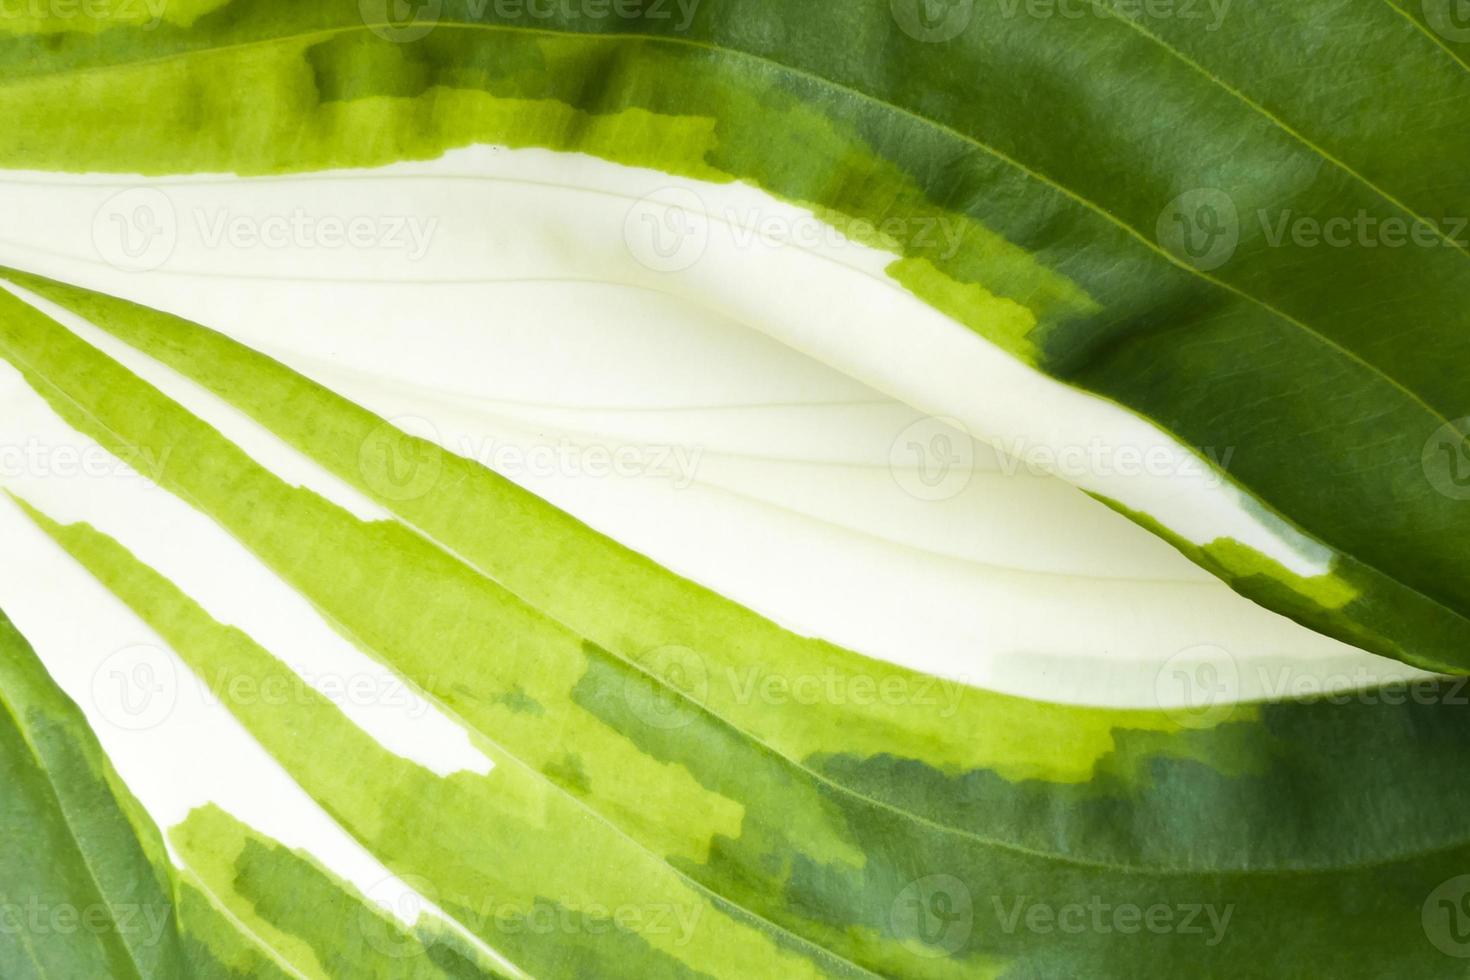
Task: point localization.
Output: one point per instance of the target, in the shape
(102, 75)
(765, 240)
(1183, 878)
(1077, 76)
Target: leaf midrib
(1429, 33)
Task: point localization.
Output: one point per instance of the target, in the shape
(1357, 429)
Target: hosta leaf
(491, 847)
(711, 648)
(1213, 239)
(1125, 190)
(317, 925)
(81, 859)
(88, 890)
(791, 844)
